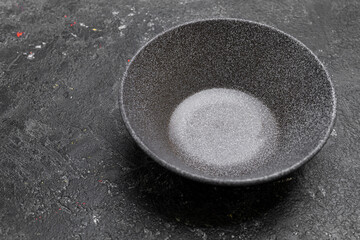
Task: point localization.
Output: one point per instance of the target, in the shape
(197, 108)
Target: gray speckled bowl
(236, 54)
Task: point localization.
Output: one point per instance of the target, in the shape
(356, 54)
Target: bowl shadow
(192, 203)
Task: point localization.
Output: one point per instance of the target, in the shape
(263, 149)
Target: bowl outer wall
(218, 180)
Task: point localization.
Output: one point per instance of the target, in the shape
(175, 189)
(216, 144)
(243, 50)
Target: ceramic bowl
(228, 101)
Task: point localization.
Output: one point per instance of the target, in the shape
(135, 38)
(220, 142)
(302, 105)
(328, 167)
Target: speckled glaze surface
(236, 54)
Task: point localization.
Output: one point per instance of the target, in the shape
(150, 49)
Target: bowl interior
(234, 54)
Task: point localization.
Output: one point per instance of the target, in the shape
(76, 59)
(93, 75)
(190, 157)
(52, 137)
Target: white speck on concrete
(64, 53)
(150, 24)
(145, 39)
(44, 43)
(333, 133)
(31, 56)
(95, 219)
(131, 14)
(115, 13)
(83, 25)
(38, 46)
(312, 194)
(74, 35)
(122, 27)
(200, 233)
(322, 190)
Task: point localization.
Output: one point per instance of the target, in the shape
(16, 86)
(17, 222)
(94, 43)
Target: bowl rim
(219, 180)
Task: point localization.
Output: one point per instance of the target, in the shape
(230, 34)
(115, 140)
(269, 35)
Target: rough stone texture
(63, 144)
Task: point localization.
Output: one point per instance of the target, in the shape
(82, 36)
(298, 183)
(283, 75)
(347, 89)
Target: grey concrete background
(69, 169)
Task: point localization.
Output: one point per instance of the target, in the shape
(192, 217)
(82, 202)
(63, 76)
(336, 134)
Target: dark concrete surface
(69, 169)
